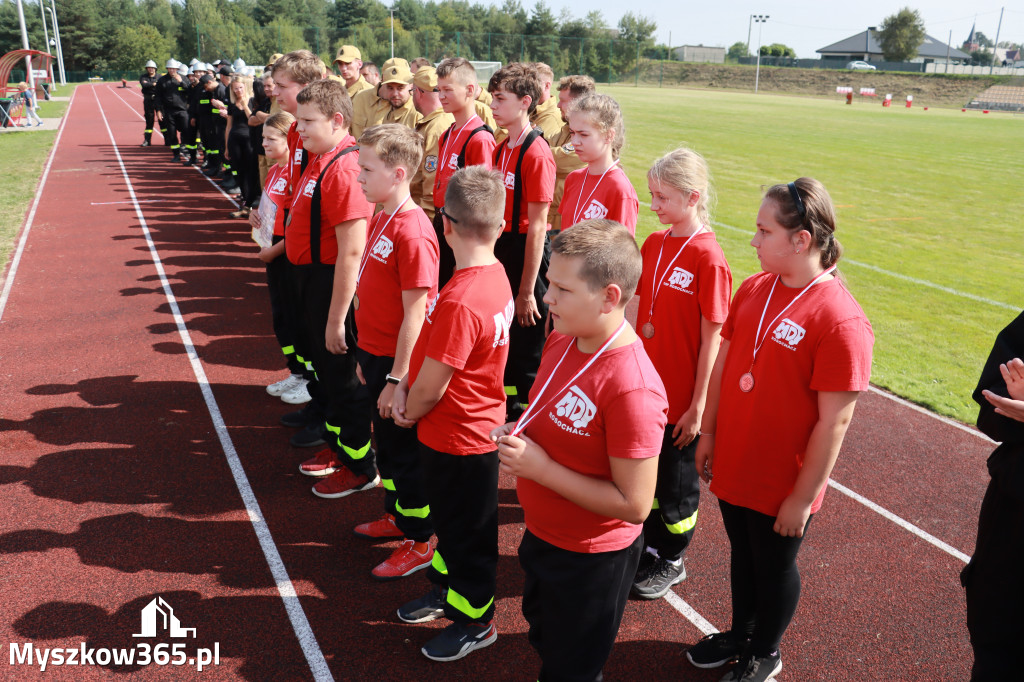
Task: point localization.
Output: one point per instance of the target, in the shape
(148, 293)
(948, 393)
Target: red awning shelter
(40, 63)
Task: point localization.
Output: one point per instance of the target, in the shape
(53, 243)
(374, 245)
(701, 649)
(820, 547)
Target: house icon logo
(158, 614)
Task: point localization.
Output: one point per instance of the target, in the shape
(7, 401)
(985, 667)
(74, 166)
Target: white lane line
(925, 411)
(209, 180)
(927, 537)
(680, 605)
(905, 278)
(16, 259)
(155, 130)
(300, 624)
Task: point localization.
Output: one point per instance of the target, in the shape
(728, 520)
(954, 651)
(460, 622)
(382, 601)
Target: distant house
(865, 46)
(699, 53)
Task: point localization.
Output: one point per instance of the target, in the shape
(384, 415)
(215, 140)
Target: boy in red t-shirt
(324, 238)
(454, 391)
(586, 454)
(467, 142)
(528, 171)
(397, 276)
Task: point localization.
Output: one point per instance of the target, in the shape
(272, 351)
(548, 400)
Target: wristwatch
(392, 380)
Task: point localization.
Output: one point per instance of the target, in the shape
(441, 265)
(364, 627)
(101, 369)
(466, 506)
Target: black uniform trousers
(574, 603)
(212, 136)
(242, 166)
(336, 387)
(280, 311)
(669, 527)
(176, 123)
(149, 110)
(446, 262)
(398, 457)
(463, 495)
(525, 344)
(764, 576)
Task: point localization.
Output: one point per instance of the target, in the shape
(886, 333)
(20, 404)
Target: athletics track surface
(124, 453)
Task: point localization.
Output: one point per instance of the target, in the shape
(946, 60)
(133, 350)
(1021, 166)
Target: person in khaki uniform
(371, 107)
(546, 116)
(434, 122)
(349, 62)
(396, 88)
(566, 161)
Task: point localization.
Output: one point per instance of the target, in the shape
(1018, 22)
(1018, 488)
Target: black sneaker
(301, 418)
(309, 436)
(426, 608)
(211, 171)
(716, 650)
(659, 579)
(755, 668)
(643, 568)
(458, 639)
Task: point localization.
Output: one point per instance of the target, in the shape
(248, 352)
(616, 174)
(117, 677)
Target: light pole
(46, 40)
(24, 42)
(759, 19)
(392, 10)
(52, 9)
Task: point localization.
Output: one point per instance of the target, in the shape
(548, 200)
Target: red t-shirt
(278, 191)
(614, 198)
(294, 154)
(698, 286)
(402, 256)
(615, 409)
(467, 328)
(341, 199)
(479, 152)
(538, 178)
(822, 343)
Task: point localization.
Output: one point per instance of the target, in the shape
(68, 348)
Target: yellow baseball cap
(394, 61)
(348, 53)
(396, 74)
(273, 58)
(426, 78)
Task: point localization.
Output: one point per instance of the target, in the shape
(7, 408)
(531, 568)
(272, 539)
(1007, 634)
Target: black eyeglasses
(800, 208)
(446, 214)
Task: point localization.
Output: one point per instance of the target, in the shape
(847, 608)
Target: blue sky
(804, 25)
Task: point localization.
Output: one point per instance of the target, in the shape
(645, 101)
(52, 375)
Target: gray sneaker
(458, 639)
(755, 669)
(426, 608)
(659, 579)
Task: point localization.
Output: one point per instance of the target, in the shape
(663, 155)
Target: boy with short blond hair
(324, 239)
(586, 454)
(454, 391)
(528, 171)
(397, 276)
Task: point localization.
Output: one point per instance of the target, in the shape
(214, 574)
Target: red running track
(118, 442)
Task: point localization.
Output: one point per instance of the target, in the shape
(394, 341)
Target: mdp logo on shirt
(502, 323)
(382, 249)
(595, 210)
(298, 156)
(279, 186)
(788, 334)
(453, 162)
(680, 279)
(576, 407)
(510, 180)
(309, 188)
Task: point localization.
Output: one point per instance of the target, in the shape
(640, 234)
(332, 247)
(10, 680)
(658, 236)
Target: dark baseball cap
(206, 79)
(225, 70)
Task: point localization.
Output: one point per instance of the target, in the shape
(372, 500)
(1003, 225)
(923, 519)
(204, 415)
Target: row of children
(485, 347)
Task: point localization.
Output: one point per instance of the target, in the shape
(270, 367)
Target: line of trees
(100, 35)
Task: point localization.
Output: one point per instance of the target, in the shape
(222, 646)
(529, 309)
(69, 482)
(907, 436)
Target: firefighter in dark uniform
(172, 107)
(189, 147)
(147, 82)
(216, 124)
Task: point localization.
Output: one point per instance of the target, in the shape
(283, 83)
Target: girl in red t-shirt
(796, 351)
(276, 196)
(601, 190)
(683, 297)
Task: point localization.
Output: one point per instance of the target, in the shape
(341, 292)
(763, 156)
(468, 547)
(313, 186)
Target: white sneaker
(279, 388)
(297, 395)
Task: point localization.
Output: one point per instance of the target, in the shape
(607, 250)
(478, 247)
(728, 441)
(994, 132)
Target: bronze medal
(355, 302)
(747, 382)
(647, 330)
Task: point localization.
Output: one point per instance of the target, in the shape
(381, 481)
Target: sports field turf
(932, 196)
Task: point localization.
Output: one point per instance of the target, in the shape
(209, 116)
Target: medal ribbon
(374, 237)
(654, 294)
(576, 212)
(758, 344)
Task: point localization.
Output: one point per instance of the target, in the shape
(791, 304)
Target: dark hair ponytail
(805, 204)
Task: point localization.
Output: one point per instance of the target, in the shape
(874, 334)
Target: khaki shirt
(548, 118)
(566, 162)
(367, 110)
(405, 114)
(431, 127)
(358, 87)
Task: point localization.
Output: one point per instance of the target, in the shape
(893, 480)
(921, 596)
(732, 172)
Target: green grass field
(929, 209)
(930, 195)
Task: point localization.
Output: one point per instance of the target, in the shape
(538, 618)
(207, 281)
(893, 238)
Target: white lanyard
(657, 288)
(576, 212)
(758, 344)
(448, 140)
(504, 159)
(532, 413)
(374, 237)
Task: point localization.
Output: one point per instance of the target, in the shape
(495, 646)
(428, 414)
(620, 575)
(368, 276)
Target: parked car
(861, 66)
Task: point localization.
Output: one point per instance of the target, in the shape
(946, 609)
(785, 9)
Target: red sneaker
(323, 464)
(381, 528)
(343, 482)
(404, 561)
